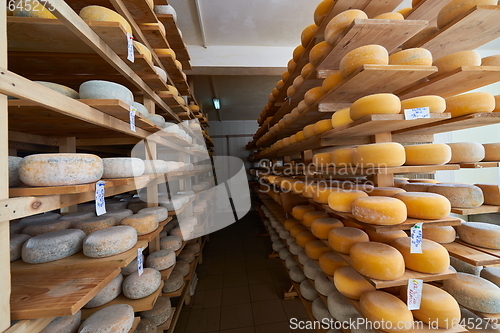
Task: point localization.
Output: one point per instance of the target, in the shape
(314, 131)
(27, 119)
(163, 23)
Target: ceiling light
(216, 102)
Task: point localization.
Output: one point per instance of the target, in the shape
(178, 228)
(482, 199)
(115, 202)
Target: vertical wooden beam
(68, 145)
(307, 156)
(152, 190)
(149, 104)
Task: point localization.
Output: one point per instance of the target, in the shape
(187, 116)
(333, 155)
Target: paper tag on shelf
(140, 261)
(130, 47)
(417, 113)
(100, 204)
(414, 293)
(133, 112)
(416, 238)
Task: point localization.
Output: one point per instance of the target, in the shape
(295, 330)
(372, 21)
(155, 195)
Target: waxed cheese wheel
(329, 262)
(390, 16)
(122, 167)
(331, 82)
(474, 292)
(341, 118)
(289, 223)
(491, 193)
(342, 239)
(436, 104)
(434, 258)
(491, 152)
(95, 223)
(60, 169)
(66, 324)
(322, 159)
(322, 11)
(379, 210)
(413, 57)
(111, 291)
(480, 234)
(424, 205)
(385, 237)
(375, 104)
(16, 245)
(309, 217)
(350, 283)
(342, 157)
(294, 231)
(469, 103)
(456, 60)
(428, 154)
(299, 211)
(314, 249)
(377, 260)
(318, 52)
(136, 287)
(21, 9)
(323, 126)
(340, 23)
(384, 191)
(466, 152)
(364, 55)
(456, 8)
(52, 246)
(459, 195)
(390, 154)
(321, 194)
(439, 234)
(99, 13)
(117, 318)
(304, 237)
(311, 96)
(307, 35)
(143, 223)
(109, 241)
(341, 200)
(322, 226)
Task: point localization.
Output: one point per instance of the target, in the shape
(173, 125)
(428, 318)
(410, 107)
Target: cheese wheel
(320, 311)
(456, 8)
(160, 312)
(97, 89)
(307, 291)
(390, 16)
(16, 245)
(171, 242)
(342, 239)
(377, 260)
(375, 104)
(94, 223)
(459, 195)
(350, 283)
(297, 82)
(341, 308)
(340, 23)
(424, 205)
(417, 187)
(290, 66)
(321, 194)
(311, 269)
(423, 180)
(297, 275)
(341, 200)
(303, 238)
(122, 167)
(491, 274)
(299, 211)
(384, 191)
(14, 179)
(52, 246)
(43, 227)
(480, 234)
(66, 91)
(307, 35)
(474, 292)
(439, 234)
(322, 159)
(109, 241)
(23, 9)
(64, 324)
(143, 50)
(322, 226)
(379, 210)
(405, 11)
(322, 10)
(313, 95)
(385, 237)
(434, 258)
(421, 37)
(315, 248)
(456, 60)
(379, 306)
(491, 152)
(390, 154)
(143, 223)
(284, 77)
(309, 217)
(329, 262)
(111, 291)
(491, 193)
(323, 126)
(309, 131)
(436, 104)
(302, 106)
(307, 70)
(398, 182)
(99, 13)
(323, 285)
(136, 287)
(342, 157)
(493, 60)
(341, 118)
(113, 318)
(297, 53)
(466, 152)
(165, 9)
(413, 57)
(331, 82)
(469, 103)
(364, 55)
(162, 259)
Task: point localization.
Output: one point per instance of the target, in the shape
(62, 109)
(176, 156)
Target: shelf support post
(383, 180)
(68, 145)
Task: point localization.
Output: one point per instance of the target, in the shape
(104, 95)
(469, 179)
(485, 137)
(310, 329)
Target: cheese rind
(439, 234)
(309, 217)
(412, 57)
(323, 126)
(340, 23)
(491, 193)
(44, 227)
(390, 16)
(160, 312)
(95, 223)
(364, 55)
(480, 234)
(385, 237)
(350, 283)
(25, 10)
(322, 10)
(436, 104)
(377, 260)
(136, 287)
(113, 318)
(342, 157)
(384, 191)
(329, 262)
(14, 179)
(98, 89)
(304, 237)
(331, 82)
(66, 91)
(307, 34)
(307, 291)
(379, 210)
(110, 241)
(299, 211)
(52, 246)
(424, 205)
(143, 223)
(312, 95)
(341, 118)
(111, 291)
(428, 154)
(322, 226)
(341, 200)
(434, 258)
(456, 60)
(342, 239)
(375, 104)
(160, 260)
(466, 152)
(469, 103)
(64, 324)
(16, 245)
(491, 152)
(322, 159)
(459, 195)
(122, 167)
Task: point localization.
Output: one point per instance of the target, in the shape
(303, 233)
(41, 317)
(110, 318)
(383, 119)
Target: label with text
(417, 113)
(416, 238)
(130, 48)
(140, 261)
(133, 112)
(100, 204)
(414, 293)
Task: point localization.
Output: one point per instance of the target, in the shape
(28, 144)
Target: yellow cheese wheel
(352, 224)
(379, 210)
(460, 195)
(385, 191)
(312, 95)
(308, 34)
(390, 16)
(309, 131)
(342, 239)
(318, 52)
(340, 23)
(291, 65)
(341, 200)
(302, 106)
(322, 10)
(285, 76)
(25, 9)
(421, 37)
(297, 53)
(322, 194)
(491, 152)
(304, 237)
(414, 57)
(329, 262)
(364, 55)
(428, 154)
(491, 193)
(341, 118)
(309, 217)
(390, 154)
(493, 60)
(424, 205)
(375, 104)
(434, 258)
(350, 283)
(298, 187)
(315, 248)
(342, 157)
(382, 307)
(169, 52)
(377, 260)
(322, 226)
(456, 60)
(309, 190)
(275, 92)
(286, 142)
(331, 82)
(405, 11)
(415, 2)
(466, 152)
(322, 159)
(436, 104)
(423, 180)
(307, 70)
(280, 84)
(295, 230)
(289, 223)
(480, 234)
(385, 237)
(323, 126)
(300, 136)
(439, 234)
(293, 139)
(297, 82)
(299, 211)
(456, 8)
(99, 13)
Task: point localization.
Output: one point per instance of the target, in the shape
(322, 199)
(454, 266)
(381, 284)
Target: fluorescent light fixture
(216, 102)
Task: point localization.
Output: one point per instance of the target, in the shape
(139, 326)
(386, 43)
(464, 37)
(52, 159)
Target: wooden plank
(56, 293)
(458, 81)
(172, 102)
(470, 255)
(426, 10)
(166, 325)
(155, 35)
(493, 252)
(387, 33)
(29, 326)
(484, 209)
(137, 320)
(175, 39)
(175, 74)
(165, 274)
(479, 165)
(467, 32)
(141, 11)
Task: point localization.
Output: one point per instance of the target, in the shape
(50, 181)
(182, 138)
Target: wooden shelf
(175, 39)
(181, 248)
(139, 305)
(484, 209)
(492, 252)
(176, 293)
(470, 255)
(458, 81)
(166, 325)
(175, 139)
(141, 11)
(492, 317)
(165, 274)
(426, 10)
(172, 102)
(154, 35)
(152, 235)
(137, 320)
(479, 165)
(175, 74)
(55, 293)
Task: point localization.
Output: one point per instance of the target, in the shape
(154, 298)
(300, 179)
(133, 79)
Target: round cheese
(341, 200)
(284, 77)
(156, 167)
(342, 157)
(160, 260)
(299, 211)
(385, 237)
(379, 210)
(314, 249)
(142, 223)
(307, 70)
(309, 217)
(434, 258)
(64, 324)
(113, 318)
(96, 89)
(309, 131)
(469, 103)
(459, 195)
(304, 237)
(323, 285)
(294, 231)
(456, 60)
(466, 152)
(160, 213)
(320, 312)
(364, 55)
(43, 227)
(290, 66)
(405, 11)
(390, 16)
(111, 291)
(307, 35)
(94, 223)
(321, 194)
(182, 267)
(307, 291)
(439, 234)
(318, 52)
(297, 53)
(173, 283)
(322, 159)
(377, 260)
(297, 275)
(52, 246)
(491, 152)
(323, 126)
(412, 57)
(16, 243)
(322, 11)
(297, 83)
(350, 283)
(14, 179)
(136, 287)
(491, 193)
(331, 82)
(480, 234)
(23, 9)
(321, 227)
(340, 23)
(417, 187)
(160, 312)
(122, 167)
(375, 104)
(456, 8)
(342, 239)
(289, 223)
(491, 274)
(474, 292)
(390, 154)
(385, 191)
(110, 241)
(99, 13)
(313, 95)
(66, 91)
(143, 50)
(428, 154)
(436, 104)
(424, 205)
(329, 262)
(311, 269)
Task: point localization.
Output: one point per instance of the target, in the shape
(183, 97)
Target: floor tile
(235, 279)
(235, 295)
(259, 276)
(255, 265)
(235, 316)
(263, 291)
(207, 298)
(267, 312)
(281, 327)
(210, 282)
(203, 320)
(212, 269)
(182, 321)
(250, 329)
(294, 308)
(255, 255)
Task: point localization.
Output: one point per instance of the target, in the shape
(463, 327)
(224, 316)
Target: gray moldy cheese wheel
(174, 282)
(297, 275)
(466, 152)
(136, 204)
(143, 223)
(16, 245)
(60, 169)
(186, 256)
(284, 253)
(67, 324)
(118, 318)
(182, 267)
(130, 268)
(44, 227)
(195, 247)
(95, 223)
(136, 287)
(339, 307)
(464, 267)
(156, 167)
(474, 293)
(417, 187)
(491, 193)
(52, 246)
(160, 312)
(307, 291)
(118, 214)
(146, 326)
(79, 216)
(14, 179)
(291, 263)
(480, 234)
(113, 204)
(320, 311)
(171, 243)
(39, 218)
(323, 285)
(107, 294)
(110, 241)
(16, 227)
(161, 260)
(161, 213)
(122, 167)
(97, 89)
(491, 274)
(460, 195)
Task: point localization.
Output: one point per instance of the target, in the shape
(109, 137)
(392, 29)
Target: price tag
(417, 113)
(414, 294)
(100, 204)
(133, 112)
(140, 261)
(416, 238)
(130, 47)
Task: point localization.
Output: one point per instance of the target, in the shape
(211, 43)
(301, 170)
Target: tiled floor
(240, 290)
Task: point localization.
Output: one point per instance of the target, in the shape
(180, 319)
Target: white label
(140, 261)
(133, 112)
(100, 204)
(130, 47)
(416, 238)
(414, 293)
(417, 113)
